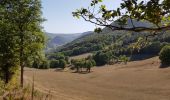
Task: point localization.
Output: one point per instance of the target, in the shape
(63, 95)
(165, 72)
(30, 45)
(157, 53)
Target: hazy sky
(59, 15)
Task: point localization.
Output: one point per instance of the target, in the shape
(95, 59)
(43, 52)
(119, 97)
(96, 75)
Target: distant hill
(50, 35)
(59, 39)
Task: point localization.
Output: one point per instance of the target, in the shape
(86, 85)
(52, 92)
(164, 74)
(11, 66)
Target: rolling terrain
(59, 39)
(125, 39)
(138, 80)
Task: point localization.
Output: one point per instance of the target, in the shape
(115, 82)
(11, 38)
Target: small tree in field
(88, 64)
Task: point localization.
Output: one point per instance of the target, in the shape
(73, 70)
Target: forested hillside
(123, 39)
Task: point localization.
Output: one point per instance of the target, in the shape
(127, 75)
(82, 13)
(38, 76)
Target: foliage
(89, 43)
(58, 63)
(36, 64)
(155, 12)
(62, 63)
(152, 48)
(102, 58)
(44, 65)
(56, 56)
(100, 15)
(54, 63)
(8, 46)
(21, 36)
(58, 60)
(165, 55)
(123, 58)
(83, 63)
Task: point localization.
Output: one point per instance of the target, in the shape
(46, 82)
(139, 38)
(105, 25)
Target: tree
(23, 18)
(154, 11)
(8, 58)
(31, 39)
(102, 58)
(88, 64)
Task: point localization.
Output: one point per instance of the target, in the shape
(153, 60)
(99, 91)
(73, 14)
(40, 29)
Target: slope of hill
(138, 80)
(50, 35)
(100, 41)
(55, 40)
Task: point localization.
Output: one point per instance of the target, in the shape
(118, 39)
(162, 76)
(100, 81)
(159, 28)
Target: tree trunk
(22, 75)
(6, 74)
(21, 58)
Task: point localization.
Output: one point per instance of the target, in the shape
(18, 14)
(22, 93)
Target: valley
(122, 54)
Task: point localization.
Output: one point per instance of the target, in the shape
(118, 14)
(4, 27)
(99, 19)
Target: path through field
(138, 80)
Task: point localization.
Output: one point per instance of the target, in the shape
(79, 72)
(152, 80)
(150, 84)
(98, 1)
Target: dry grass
(81, 56)
(138, 80)
(12, 91)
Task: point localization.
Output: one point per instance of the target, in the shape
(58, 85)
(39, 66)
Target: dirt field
(138, 80)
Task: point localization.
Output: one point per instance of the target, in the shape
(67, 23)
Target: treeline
(53, 60)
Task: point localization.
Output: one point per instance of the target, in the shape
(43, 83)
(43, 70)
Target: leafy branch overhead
(157, 12)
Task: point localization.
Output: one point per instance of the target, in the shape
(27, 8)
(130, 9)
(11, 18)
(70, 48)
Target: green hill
(122, 39)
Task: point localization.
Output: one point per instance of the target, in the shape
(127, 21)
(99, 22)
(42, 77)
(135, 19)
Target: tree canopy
(21, 36)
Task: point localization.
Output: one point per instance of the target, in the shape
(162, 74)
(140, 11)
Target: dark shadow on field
(59, 69)
(85, 72)
(82, 72)
(164, 66)
(138, 57)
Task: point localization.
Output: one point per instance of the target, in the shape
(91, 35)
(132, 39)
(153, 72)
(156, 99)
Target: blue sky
(59, 15)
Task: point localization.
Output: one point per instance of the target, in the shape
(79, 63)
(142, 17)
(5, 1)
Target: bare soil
(138, 80)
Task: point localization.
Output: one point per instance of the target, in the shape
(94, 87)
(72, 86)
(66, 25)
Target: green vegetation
(21, 37)
(102, 58)
(58, 60)
(165, 55)
(132, 9)
(154, 12)
(80, 64)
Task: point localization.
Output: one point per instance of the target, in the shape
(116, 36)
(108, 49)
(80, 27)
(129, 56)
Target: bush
(58, 63)
(93, 62)
(35, 64)
(67, 59)
(164, 55)
(152, 48)
(102, 58)
(62, 63)
(44, 65)
(124, 58)
(54, 63)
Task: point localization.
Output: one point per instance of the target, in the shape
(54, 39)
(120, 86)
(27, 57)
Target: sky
(58, 14)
